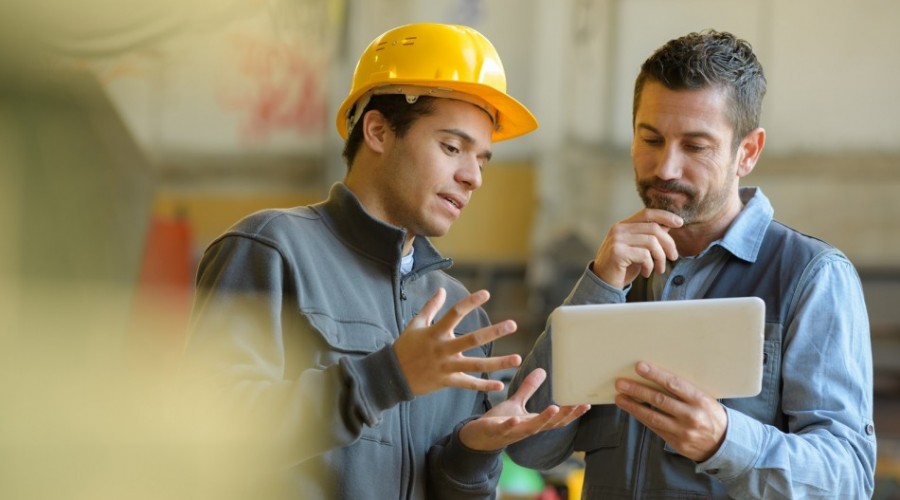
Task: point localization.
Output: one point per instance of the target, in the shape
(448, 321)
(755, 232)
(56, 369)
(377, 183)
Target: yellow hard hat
(439, 60)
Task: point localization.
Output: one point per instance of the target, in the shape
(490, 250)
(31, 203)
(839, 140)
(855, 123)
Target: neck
(694, 237)
(407, 245)
(373, 206)
(366, 191)
(690, 240)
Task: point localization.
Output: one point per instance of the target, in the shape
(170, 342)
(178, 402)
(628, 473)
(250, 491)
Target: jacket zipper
(639, 464)
(406, 435)
(407, 490)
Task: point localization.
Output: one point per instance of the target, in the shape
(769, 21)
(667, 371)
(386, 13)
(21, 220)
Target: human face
(428, 176)
(682, 156)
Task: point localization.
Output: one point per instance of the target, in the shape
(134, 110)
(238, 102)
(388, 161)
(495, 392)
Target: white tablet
(716, 344)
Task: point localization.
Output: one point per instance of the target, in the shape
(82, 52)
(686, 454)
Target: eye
(652, 141)
(450, 148)
(695, 148)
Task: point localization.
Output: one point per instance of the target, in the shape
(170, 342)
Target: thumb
(529, 386)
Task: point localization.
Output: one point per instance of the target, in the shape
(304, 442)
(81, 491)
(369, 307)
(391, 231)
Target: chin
(658, 203)
(438, 232)
(434, 230)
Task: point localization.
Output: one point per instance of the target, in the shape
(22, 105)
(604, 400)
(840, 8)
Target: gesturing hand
(684, 416)
(510, 421)
(638, 244)
(431, 356)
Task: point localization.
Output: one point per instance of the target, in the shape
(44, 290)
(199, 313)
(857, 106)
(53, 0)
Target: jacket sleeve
(828, 450)
(548, 449)
(457, 472)
(234, 368)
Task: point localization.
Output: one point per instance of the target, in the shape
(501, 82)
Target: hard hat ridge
(438, 60)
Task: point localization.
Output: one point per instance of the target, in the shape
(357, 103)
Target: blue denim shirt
(820, 442)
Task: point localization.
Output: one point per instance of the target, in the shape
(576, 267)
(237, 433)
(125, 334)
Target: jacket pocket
(599, 428)
(351, 338)
(348, 336)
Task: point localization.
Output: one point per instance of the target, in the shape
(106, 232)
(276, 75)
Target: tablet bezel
(716, 344)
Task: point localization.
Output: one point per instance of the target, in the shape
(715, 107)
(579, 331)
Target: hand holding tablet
(716, 344)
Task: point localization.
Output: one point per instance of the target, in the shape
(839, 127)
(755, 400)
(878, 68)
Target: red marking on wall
(276, 86)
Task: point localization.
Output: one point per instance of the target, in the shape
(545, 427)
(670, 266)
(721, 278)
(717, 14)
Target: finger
(647, 264)
(481, 336)
(482, 365)
(676, 386)
(668, 246)
(659, 254)
(545, 419)
(653, 249)
(643, 244)
(629, 250)
(529, 386)
(521, 427)
(664, 402)
(656, 421)
(663, 239)
(569, 414)
(565, 416)
(642, 393)
(463, 307)
(664, 218)
(430, 309)
(556, 417)
(659, 222)
(466, 381)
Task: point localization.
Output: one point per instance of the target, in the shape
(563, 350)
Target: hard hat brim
(513, 118)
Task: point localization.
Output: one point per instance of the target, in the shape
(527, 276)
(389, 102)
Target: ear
(375, 130)
(749, 150)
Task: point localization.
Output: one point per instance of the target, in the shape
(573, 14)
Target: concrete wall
(832, 159)
(213, 104)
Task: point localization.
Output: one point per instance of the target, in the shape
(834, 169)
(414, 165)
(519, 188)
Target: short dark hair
(399, 114)
(710, 59)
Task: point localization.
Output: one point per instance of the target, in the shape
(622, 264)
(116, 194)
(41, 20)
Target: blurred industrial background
(133, 133)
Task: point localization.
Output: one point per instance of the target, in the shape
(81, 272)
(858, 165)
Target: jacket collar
(350, 221)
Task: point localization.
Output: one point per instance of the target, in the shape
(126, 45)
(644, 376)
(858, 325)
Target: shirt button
(870, 429)
(678, 280)
(712, 472)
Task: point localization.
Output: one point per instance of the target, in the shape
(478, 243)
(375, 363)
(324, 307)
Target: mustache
(669, 185)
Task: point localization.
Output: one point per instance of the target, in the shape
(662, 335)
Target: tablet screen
(716, 344)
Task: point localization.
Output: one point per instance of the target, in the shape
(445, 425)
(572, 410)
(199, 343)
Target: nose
(669, 163)
(469, 174)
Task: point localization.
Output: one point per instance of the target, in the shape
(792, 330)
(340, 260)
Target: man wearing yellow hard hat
(336, 322)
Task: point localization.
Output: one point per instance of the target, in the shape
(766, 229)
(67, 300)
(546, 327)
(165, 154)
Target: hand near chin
(640, 244)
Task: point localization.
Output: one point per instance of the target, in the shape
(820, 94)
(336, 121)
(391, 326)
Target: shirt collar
(406, 263)
(745, 235)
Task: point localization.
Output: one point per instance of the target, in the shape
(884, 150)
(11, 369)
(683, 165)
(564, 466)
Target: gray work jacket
(294, 319)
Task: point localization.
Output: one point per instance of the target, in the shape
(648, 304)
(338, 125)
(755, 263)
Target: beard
(689, 211)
